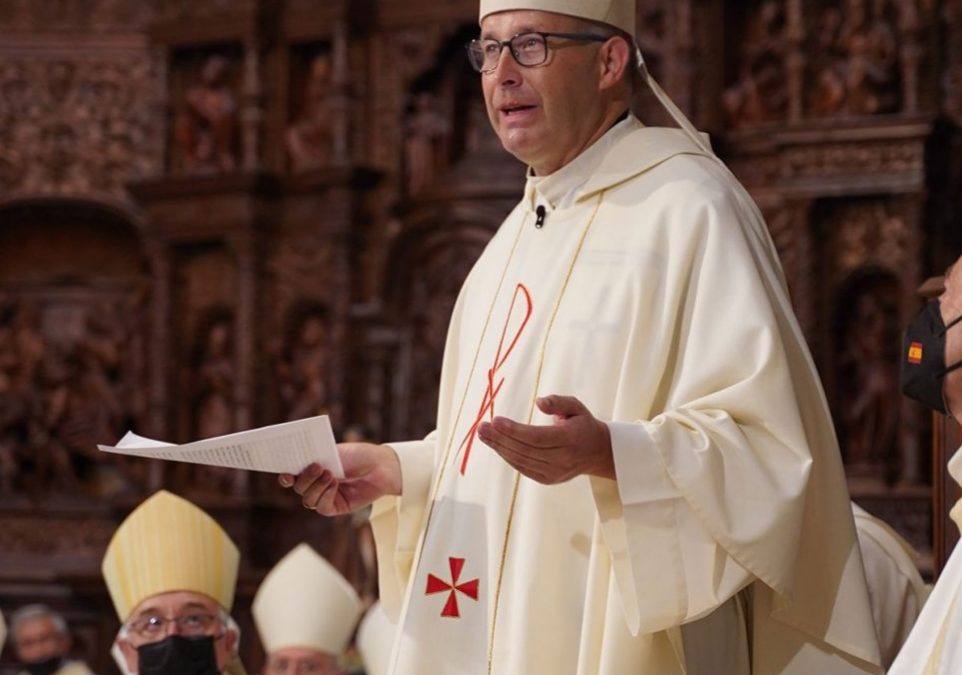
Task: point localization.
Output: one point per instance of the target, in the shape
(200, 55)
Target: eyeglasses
(153, 627)
(303, 666)
(528, 49)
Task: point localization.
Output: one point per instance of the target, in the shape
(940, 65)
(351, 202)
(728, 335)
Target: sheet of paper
(289, 447)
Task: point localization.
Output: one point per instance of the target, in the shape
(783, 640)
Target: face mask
(48, 667)
(178, 655)
(923, 358)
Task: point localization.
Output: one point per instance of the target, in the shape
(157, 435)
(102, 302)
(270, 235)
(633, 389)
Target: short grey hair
(36, 611)
(607, 31)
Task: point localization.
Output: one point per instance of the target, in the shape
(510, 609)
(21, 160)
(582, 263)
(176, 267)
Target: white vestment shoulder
(653, 294)
(896, 589)
(933, 647)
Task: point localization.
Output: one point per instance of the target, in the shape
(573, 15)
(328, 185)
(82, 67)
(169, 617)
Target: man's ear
(130, 654)
(230, 640)
(614, 56)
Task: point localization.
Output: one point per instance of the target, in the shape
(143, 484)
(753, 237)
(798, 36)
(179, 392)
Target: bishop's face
(301, 661)
(184, 613)
(545, 115)
(950, 305)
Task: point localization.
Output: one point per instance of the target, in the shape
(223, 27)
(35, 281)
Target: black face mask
(47, 667)
(923, 358)
(178, 655)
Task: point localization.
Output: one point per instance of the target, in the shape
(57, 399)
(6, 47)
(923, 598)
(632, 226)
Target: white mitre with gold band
(617, 13)
(305, 602)
(167, 544)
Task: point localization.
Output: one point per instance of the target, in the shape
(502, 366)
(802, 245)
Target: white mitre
(305, 602)
(375, 638)
(617, 13)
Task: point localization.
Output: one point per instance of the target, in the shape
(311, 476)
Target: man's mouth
(514, 109)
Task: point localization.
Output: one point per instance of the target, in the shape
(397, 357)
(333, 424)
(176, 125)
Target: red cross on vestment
(436, 585)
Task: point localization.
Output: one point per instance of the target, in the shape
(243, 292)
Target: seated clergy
(932, 375)
(42, 642)
(896, 590)
(305, 613)
(375, 638)
(171, 571)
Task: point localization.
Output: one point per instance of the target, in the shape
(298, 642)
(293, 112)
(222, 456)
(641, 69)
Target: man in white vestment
(171, 572)
(634, 469)
(895, 587)
(42, 641)
(305, 613)
(932, 374)
(375, 636)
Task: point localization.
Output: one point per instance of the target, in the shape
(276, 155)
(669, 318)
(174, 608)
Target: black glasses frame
(472, 47)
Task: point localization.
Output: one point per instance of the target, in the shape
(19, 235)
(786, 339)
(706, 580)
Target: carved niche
(206, 112)
(442, 256)
(308, 137)
(869, 257)
(72, 350)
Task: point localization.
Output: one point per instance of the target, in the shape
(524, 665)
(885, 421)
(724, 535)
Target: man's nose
(506, 70)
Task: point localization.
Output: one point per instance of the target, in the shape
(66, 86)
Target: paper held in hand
(289, 447)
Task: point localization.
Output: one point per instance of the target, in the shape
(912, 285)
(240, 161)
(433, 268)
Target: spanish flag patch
(915, 353)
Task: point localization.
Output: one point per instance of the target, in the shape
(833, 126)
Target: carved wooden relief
(424, 304)
(76, 126)
(100, 15)
(71, 351)
(258, 271)
(814, 60)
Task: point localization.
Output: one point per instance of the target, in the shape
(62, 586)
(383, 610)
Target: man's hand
(575, 444)
(370, 471)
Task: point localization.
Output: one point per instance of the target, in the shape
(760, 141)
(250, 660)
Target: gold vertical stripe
(537, 384)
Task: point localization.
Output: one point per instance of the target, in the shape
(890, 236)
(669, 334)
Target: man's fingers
(561, 406)
(286, 480)
(306, 478)
(528, 434)
(312, 497)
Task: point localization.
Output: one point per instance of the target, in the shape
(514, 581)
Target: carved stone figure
(855, 61)
(308, 138)
(214, 391)
(302, 371)
(761, 93)
(870, 399)
(207, 122)
(425, 134)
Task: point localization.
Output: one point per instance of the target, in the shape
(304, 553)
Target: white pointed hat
(617, 13)
(305, 602)
(375, 639)
(167, 544)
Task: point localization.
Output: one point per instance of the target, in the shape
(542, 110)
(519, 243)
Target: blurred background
(218, 214)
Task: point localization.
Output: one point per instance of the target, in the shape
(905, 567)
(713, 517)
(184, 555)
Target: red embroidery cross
(469, 588)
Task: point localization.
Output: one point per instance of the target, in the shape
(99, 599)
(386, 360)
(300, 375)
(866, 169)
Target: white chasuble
(653, 295)
(934, 647)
